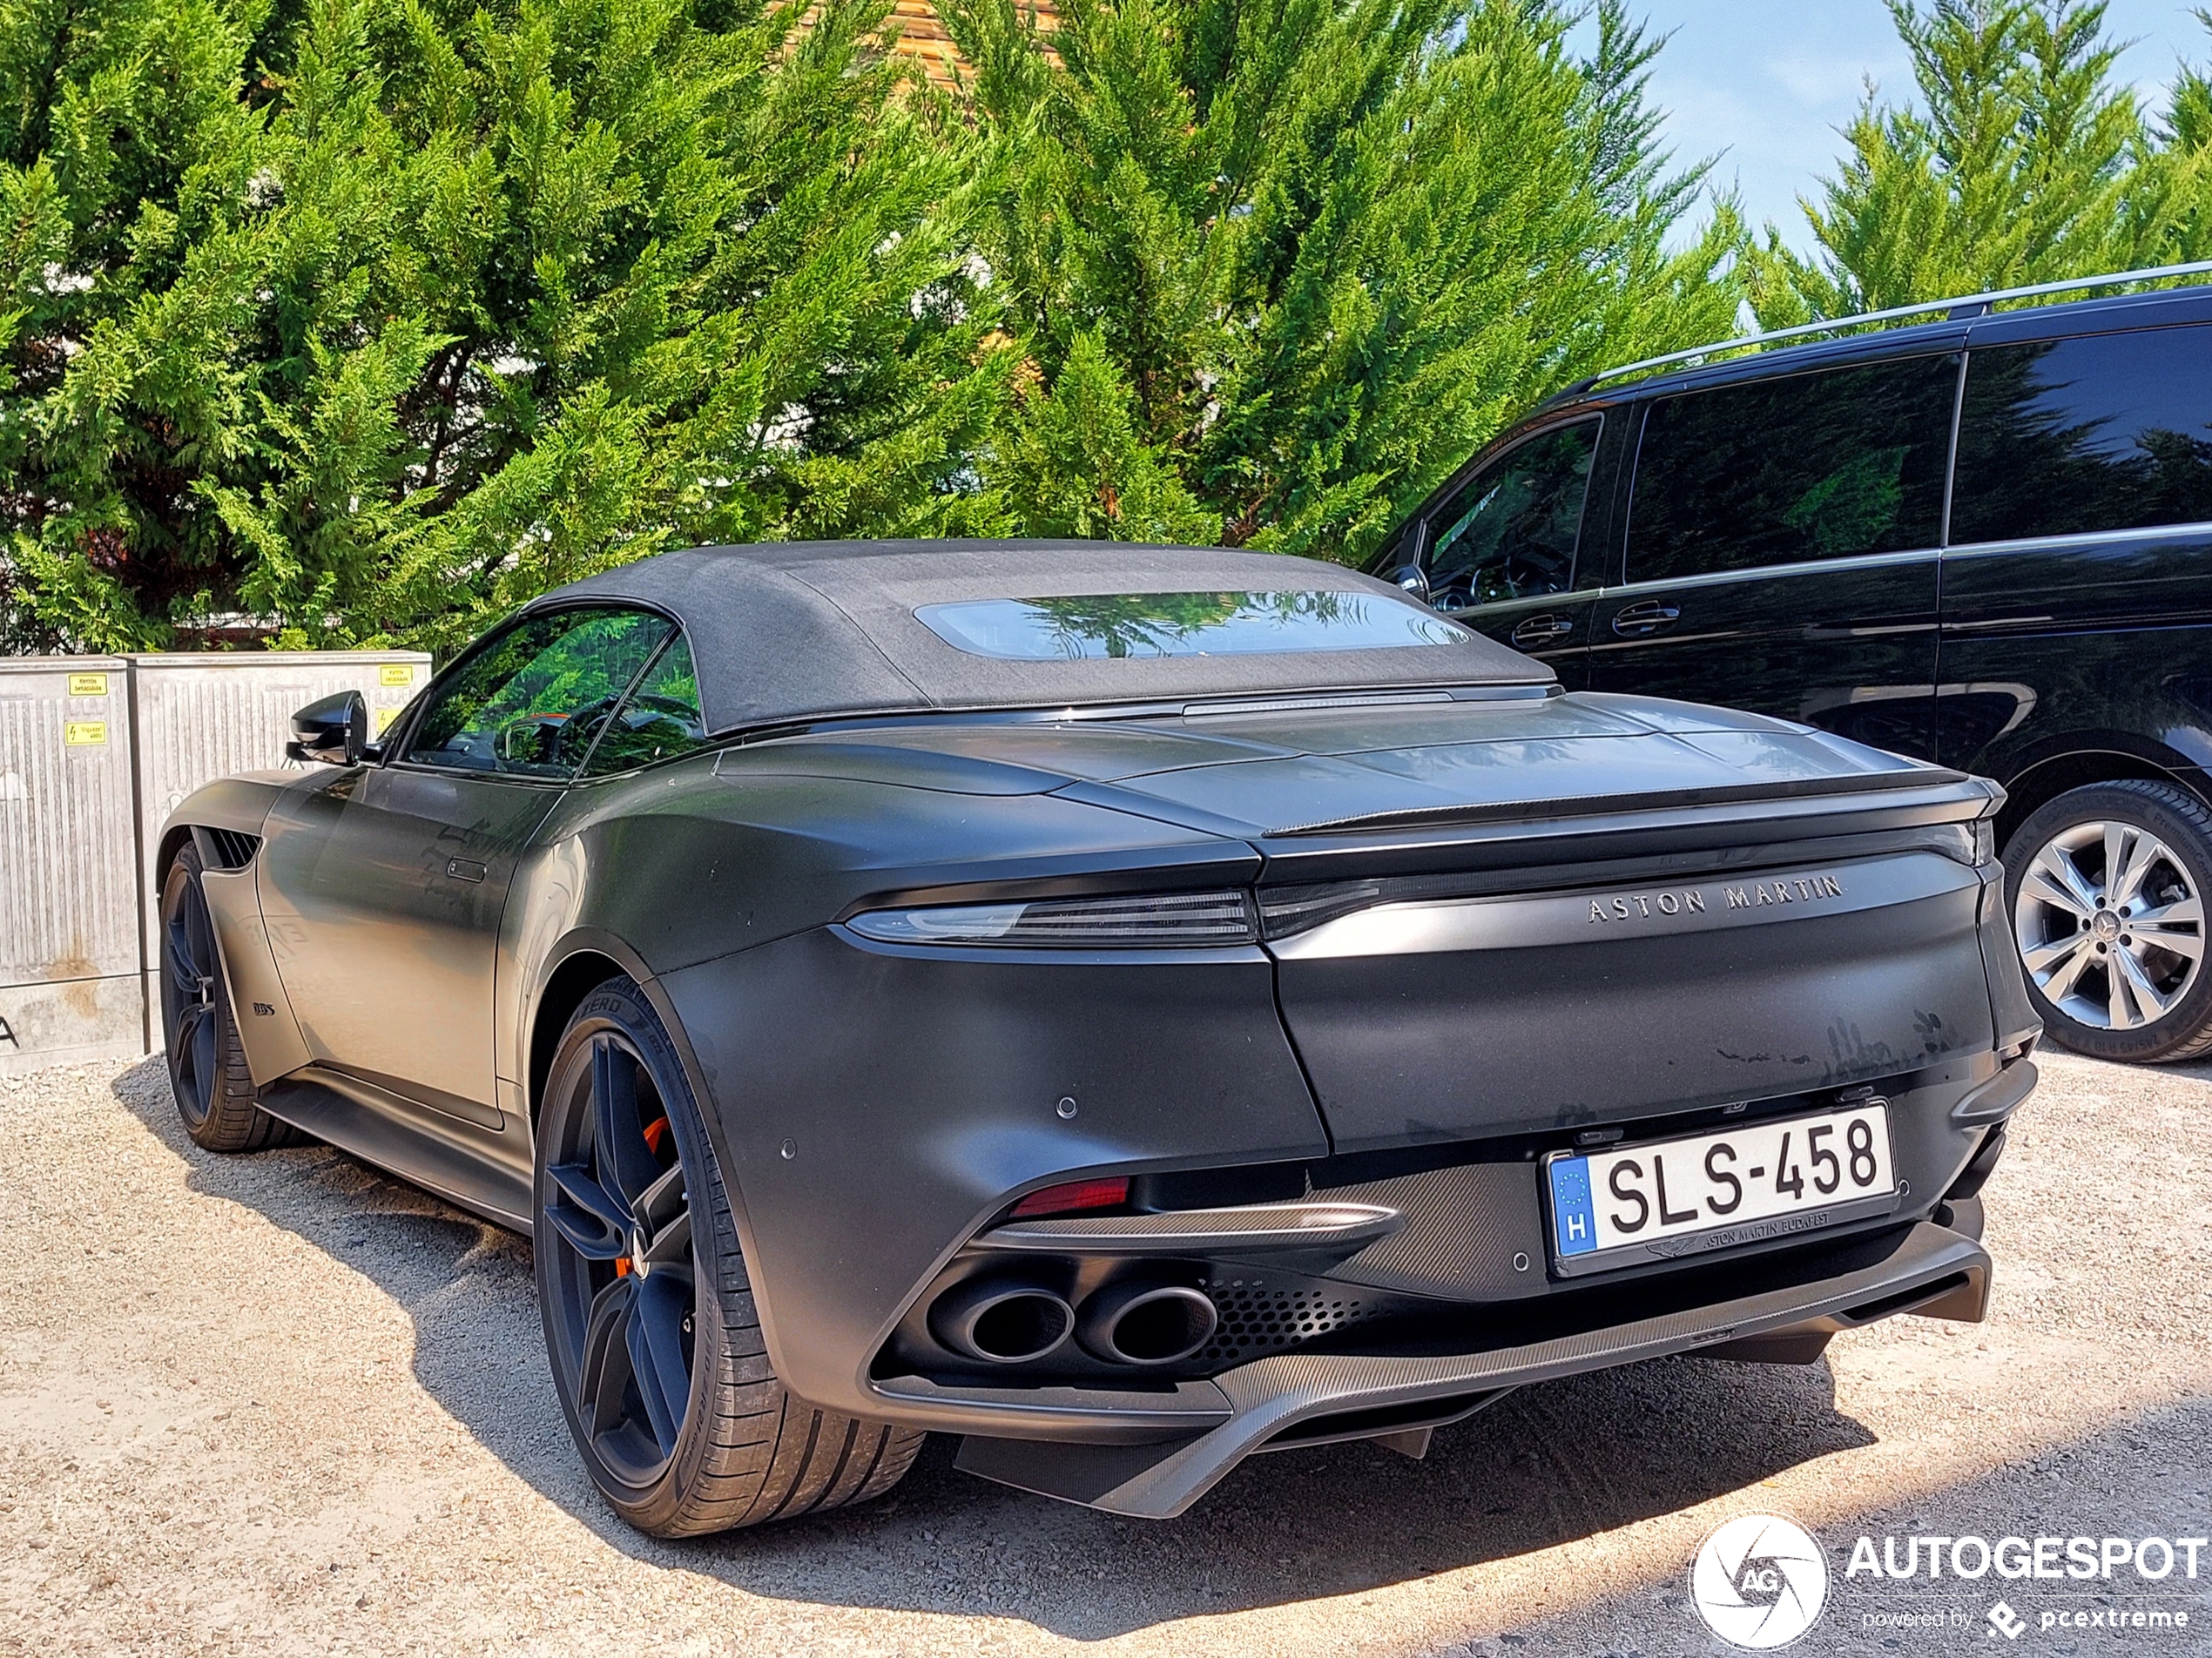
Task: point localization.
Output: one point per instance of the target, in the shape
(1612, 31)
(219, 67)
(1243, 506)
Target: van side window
(1826, 465)
(1510, 532)
(2110, 431)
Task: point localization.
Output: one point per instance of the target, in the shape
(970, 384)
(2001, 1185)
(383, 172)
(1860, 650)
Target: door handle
(1541, 630)
(1649, 616)
(465, 869)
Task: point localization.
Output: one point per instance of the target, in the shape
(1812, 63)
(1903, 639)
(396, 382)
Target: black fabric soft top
(790, 630)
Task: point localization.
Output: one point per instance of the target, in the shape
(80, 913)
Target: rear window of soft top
(1087, 626)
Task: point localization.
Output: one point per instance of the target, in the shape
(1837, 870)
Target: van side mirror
(1413, 579)
(334, 731)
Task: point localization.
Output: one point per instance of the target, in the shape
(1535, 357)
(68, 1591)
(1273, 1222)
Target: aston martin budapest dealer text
(1129, 1007)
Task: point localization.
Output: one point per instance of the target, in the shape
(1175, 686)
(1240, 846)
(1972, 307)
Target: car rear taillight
(1138, 922)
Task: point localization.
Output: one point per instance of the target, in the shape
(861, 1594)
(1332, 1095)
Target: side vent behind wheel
(234, 848)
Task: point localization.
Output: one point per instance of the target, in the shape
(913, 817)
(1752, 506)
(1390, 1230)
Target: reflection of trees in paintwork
(2042, 453)
(1153, 625)
(1809, 466)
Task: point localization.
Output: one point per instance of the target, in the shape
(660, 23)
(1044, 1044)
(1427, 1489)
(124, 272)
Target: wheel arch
(580, 971)
(173, 840)
(585, 960)
(239, 806)
(2047, 778)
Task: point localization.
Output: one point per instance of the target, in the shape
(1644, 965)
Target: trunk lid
(1514, 919)
(1505, 914)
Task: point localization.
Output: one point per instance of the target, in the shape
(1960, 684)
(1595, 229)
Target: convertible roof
(790, 630)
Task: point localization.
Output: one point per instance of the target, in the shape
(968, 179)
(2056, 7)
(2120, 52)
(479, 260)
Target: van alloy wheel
(2107, 884)
(2110, 926)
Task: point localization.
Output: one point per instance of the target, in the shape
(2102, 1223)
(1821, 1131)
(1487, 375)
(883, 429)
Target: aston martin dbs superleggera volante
(1129, 1007)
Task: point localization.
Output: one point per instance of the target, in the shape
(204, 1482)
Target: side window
(2112, 431)
(1826, 465)
(530, 703)
(659, 720)
(1510, 534)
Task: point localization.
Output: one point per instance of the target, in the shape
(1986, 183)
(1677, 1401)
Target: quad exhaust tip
(1002, 1323)
(1142, 1324)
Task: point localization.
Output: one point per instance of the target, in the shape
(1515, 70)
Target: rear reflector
(1075, 1196)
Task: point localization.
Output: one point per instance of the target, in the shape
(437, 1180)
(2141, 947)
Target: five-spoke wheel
(618, 1244)
(208, 1070)
(657, 1351)
(191, 1014)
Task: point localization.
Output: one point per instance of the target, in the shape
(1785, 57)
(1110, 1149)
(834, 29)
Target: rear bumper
(1303, 1397)
(879, 1108)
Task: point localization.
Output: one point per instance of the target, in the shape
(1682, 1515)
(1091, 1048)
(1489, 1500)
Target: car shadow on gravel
(1544, 1466)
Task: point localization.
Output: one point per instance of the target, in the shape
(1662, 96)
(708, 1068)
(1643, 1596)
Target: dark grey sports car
(1131, 1008)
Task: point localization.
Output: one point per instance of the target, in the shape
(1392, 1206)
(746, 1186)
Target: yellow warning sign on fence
(87, 684)
(80, 733)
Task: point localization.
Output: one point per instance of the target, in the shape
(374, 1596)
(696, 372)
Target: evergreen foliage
(336, 321)
(1292, 260)
(2022, 161)
(369, 316)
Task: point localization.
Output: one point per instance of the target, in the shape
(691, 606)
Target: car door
(2077, 586)
(1500, 553)
(1781, 553)
(384, 883)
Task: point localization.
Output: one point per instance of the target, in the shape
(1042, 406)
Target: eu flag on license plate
(1572, 1221)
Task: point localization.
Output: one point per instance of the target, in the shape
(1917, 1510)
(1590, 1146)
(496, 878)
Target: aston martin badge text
(1690, 900)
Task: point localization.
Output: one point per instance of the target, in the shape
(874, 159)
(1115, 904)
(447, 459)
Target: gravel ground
(283, 1403)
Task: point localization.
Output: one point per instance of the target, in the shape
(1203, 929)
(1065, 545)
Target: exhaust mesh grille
(1259, 1318)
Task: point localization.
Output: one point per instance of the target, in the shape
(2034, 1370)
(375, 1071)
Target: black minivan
(1984, 541)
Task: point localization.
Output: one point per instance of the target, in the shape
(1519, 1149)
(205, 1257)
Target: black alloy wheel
(657, 1353)
(626, 1286)
(207, 1071)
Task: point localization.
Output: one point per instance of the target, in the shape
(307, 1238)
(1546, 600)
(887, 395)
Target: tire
(208, 1074)
(2113, 976)
(656, 1350)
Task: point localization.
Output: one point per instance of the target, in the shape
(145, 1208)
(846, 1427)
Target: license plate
(1675, 1197)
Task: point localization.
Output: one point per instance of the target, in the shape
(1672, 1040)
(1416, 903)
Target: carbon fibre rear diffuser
(1305, 1399)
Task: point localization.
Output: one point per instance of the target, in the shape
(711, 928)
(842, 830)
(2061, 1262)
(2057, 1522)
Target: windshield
(1183, 624)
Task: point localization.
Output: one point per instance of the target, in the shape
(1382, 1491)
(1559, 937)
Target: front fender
(267, 1030)
(240, 804)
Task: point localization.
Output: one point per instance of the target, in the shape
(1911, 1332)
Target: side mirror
(334, 731)
(1413, 579)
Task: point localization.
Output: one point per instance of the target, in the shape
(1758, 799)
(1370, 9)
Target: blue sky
(1769, 82)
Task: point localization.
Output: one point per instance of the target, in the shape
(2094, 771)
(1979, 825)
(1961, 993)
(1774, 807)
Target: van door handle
(465, 869)
(1541, 629)
(1649, 616)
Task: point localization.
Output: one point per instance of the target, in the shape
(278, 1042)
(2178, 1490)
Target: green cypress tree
(1297, 258)
(367, 317)
(2022, 161)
